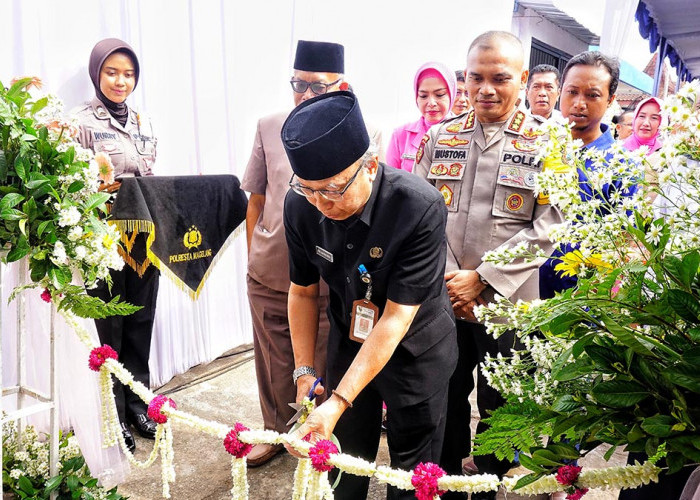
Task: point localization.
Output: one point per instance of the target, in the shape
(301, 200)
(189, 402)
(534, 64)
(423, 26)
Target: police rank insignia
(419, 153)
(514, 202)
(447, 194)
(453, 142)
(376, 252)
(517, 122)
(469, 123)
(454, 170)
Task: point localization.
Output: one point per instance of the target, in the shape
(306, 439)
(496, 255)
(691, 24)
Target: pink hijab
(634, 142)
(435, 70)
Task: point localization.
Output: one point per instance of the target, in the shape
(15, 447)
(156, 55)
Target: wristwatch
(303, 370)
(483, 280)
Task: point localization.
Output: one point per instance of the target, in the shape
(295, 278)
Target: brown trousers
(274, 358)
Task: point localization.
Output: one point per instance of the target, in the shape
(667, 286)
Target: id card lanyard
(364, 312)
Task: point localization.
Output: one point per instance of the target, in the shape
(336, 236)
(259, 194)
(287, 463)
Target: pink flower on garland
(568, 474)
(46, 295)
(320, 454)
(233, 445)
(576, 495)
(155, 406)
(99, 355)
(425, 480)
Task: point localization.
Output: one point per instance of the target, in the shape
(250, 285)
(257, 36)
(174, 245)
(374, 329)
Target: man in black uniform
(376, 235)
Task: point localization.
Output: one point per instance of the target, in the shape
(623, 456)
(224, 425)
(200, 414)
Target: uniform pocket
(514, 197)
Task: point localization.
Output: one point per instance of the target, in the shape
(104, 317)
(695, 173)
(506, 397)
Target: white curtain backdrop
(209, 70)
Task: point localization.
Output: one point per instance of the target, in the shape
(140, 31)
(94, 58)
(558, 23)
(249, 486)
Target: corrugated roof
(552, 13)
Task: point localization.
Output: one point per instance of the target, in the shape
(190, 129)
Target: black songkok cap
(320, 57)
(325, 135)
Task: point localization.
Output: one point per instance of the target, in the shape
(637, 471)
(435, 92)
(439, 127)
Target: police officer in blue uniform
(392, 335)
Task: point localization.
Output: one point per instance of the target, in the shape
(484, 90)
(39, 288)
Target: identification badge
(364, 317)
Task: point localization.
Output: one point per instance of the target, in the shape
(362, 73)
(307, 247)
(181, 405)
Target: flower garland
(567, 475)
(311, 474)
(425, 481)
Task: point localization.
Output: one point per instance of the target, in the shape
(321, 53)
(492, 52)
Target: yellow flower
(571, 262)
(107, 241)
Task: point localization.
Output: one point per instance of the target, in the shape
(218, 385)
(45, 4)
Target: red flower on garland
(233, 445)
(320, 453)
(46, 295)
(344, 86)
(568, 474)
(99, 355)
(425, 480)
(155, 406)
(576, 495)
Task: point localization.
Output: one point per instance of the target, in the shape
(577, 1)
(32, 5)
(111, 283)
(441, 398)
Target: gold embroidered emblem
(439, 169)
(454, 128)
(525, 147)
(455, 169)
(532, 133)
(453, 142)
(514, 202)
(376, 252)
(516, 123)
(447, 194)
(192, 238)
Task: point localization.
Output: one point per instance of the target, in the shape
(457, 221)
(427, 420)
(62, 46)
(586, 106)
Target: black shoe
(128, 437)
(144, 425)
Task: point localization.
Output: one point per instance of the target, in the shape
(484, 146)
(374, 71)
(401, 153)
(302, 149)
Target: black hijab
(101, 51)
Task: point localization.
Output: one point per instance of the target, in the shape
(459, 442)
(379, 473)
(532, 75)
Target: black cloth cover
(188, 220)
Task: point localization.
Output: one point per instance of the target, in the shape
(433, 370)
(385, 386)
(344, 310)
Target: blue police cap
(321, 57)
(325, 135)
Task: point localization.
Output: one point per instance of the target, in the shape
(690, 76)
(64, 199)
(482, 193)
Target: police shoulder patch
(517, 122)
(470, 122)
(419, 153)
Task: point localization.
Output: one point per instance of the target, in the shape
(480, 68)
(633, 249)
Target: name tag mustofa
(324, 253)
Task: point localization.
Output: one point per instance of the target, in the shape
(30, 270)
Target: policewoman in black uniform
(108, 125)
(392, 335)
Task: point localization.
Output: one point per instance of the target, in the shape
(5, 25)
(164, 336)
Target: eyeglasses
(318, 88)
(329, 195)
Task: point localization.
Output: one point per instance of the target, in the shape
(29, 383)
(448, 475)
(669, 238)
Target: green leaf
(3, 166)
(72, 482)
(609, 453)
(12, 214)
(525, 480)
(684, 374)
(76, 186)
(39, 104)
(26, 485)
(20, 168)
(42, 227)
(619, 393)
(577, 369)
(603, 357)
(659, 425)
(547, 458)
(11, 200)
(529, 463)
(53, 484)
(625, 335)
(565, 403)
(60, 276)
(694, 334)
(36, 184)
(684, 304)
(96, 199)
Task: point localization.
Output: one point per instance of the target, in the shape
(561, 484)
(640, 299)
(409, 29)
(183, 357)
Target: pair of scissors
(300, 408)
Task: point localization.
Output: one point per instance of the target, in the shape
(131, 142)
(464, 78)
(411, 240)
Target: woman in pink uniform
(434, 86)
